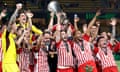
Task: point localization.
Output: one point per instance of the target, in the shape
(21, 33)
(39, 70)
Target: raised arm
(20, 39)
(92, 22)
(84, 28)
(97, 30)
(69, 31)
(50, 26)
(27, 42)
(76, 20)
(13, 17)
(2, 14)
(58, 28)
(113, 23)
(29, 15)
(31, 26)
(60, 17)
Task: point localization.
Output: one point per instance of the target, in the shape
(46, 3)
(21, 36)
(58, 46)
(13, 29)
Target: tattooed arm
(13, 17)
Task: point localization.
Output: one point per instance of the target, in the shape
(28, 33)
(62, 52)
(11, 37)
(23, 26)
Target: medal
(82, 52)
(52, 55)
(68, 53)
(106, 56)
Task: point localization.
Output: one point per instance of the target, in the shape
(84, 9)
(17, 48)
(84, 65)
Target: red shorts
(65, 70)
(81, 68)
(110, 69)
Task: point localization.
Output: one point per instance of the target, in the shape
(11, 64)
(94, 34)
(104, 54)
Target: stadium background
(84, 8)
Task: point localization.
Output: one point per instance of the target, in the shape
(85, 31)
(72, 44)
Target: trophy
(54, 6)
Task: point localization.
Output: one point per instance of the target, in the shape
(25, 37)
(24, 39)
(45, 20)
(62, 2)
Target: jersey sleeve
(36, 30)
(117, 47)
(54, 28)
(71, 43)
(4, 40)
(86, 37)
(95, 51)
(110, 45)
(58, 44)
(72, 28)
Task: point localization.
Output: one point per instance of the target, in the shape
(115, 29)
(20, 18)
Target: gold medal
(52, 55)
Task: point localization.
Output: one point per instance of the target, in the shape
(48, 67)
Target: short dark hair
(63, 31)
(46, 32)
(98, 39)
(21, 11)
(19, 27)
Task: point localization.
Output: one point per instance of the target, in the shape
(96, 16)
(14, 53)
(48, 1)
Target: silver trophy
(54, 6)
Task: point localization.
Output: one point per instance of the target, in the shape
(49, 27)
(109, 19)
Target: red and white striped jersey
(25, 60)
(42, 61)
(36, 63)
(106, 60)
(83, 56)
(65, 58)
